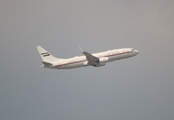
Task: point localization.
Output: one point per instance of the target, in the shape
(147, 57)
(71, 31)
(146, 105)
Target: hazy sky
(138, 88)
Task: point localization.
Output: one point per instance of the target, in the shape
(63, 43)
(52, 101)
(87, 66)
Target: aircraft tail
(47, 58)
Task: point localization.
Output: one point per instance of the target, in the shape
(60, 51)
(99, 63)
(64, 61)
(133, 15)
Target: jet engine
(103, 59)
(101, 64)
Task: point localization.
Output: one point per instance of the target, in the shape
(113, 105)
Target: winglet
(81, 49)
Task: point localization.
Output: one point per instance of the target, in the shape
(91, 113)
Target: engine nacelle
(101, 64)
(103, 59)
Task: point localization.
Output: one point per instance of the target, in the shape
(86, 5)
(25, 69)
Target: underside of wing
(92, 60)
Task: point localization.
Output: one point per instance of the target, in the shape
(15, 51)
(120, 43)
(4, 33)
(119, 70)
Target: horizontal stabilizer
(46, 63)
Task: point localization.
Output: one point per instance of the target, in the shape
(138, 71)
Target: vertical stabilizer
(45, 55)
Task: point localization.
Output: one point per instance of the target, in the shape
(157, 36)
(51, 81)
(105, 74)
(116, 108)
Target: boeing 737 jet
(96, 59)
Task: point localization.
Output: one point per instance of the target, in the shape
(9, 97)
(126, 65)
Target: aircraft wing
(92, 60)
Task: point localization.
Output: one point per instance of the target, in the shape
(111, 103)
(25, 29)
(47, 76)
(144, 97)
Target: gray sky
(138, 88)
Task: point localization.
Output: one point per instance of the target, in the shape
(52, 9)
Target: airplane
(96, 59)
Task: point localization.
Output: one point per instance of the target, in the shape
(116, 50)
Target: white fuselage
(104, 57)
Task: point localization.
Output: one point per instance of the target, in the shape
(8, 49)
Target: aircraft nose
(136, 51)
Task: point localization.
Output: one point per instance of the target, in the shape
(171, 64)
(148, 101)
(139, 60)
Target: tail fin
(46, 56)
